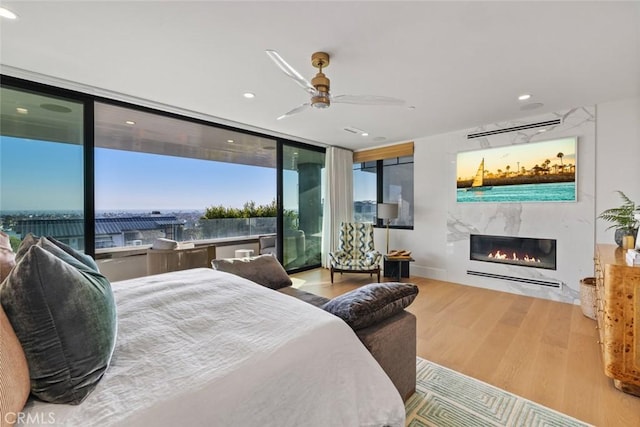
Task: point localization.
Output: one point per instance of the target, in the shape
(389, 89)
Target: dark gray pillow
(264, 270)
(372, 303)
(65, 318)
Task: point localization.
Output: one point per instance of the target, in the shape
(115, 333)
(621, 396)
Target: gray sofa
(375, 312)
(392, 342)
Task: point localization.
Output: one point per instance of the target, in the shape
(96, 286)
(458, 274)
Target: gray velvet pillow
(372, 303)
(64, 315)
(264, 270)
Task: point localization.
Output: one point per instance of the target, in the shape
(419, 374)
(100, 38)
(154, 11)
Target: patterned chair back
(356, 239)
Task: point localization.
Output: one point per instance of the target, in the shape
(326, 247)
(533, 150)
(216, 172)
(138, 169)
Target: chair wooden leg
(331, 274)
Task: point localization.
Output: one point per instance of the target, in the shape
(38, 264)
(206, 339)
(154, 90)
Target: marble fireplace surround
(571, 224)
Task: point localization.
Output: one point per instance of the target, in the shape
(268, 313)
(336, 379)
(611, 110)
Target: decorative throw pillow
(14, 374)
(45, 293)
(59, 249)
(372, 303)
(7, 257)
(264, 270)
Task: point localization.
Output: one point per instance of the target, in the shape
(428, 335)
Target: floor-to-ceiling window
(99, 174)
(302, 170)
(42, 187)
(160, 176)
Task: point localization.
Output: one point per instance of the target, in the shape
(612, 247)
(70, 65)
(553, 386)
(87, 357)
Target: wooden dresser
(618, 317)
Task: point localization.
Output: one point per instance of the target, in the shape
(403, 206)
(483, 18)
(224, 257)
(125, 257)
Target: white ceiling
(460, 64)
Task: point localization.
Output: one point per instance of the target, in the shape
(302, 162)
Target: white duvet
(205, 348)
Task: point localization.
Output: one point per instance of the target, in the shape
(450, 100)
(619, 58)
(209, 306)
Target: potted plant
(623, 218)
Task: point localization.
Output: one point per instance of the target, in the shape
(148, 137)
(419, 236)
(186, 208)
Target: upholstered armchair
(356, 252)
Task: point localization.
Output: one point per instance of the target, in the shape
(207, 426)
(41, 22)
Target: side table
(396, 267)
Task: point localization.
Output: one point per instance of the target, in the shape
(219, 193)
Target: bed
(206, 348)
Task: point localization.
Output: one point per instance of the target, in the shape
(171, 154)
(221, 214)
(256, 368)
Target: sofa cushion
(265, 270)
(14, 374)
(305, 296)
(63, 312)
(372, 303)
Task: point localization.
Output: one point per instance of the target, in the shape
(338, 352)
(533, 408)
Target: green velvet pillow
(59, 249)
(265, 270)
(64, 314)
(372, 303)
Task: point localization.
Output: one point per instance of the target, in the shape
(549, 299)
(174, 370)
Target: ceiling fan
(319, 87)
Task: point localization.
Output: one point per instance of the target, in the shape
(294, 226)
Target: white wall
(617, 158)
(608, 160)
(440, 239)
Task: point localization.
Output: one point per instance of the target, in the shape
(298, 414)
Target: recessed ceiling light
(524, 97)
(21, 110)
(542, 130)
(130, 122)
(249, 95)
(6, 13)
(230, 141)
(364, 134)
(56, 108)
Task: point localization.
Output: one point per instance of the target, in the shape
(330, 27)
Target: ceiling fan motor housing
(321, 99)
(320, 81)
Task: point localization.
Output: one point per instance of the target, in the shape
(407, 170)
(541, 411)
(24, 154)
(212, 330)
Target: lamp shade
(387, 210)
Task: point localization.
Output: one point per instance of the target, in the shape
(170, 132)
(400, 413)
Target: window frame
(89, 100)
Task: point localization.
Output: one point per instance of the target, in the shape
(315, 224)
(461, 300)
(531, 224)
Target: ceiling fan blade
(367, 100)
(296, 110)
(290, 71)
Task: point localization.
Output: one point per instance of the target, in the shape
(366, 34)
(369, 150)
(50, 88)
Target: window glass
(397, 187)
(41, 167)
(159, 176)
(384, 181)
(302, 171)
(364, 192)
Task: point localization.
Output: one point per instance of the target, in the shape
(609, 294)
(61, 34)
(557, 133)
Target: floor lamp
(387, 212)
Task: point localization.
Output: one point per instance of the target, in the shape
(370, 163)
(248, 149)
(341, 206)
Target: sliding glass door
(302, 172)
(42, 163)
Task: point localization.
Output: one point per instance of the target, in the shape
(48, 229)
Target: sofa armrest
(392, 342)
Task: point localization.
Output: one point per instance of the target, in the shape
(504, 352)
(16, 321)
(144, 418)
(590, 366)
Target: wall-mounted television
(530, 172)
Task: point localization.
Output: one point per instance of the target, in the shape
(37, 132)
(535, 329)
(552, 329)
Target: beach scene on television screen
(531, 172)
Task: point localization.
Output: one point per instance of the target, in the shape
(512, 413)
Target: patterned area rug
(446, 398)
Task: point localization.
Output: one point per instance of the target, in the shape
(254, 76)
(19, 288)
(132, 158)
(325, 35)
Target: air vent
(355, 130)
(515, 128)
(549, 283)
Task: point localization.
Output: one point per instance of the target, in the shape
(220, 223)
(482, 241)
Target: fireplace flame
(514, 257)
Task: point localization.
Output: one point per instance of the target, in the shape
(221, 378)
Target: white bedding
(205, 348)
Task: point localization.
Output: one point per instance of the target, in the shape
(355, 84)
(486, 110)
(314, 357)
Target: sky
(528, 155)
(39, 175)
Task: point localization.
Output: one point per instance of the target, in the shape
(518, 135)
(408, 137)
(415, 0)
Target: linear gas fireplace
(523, 251)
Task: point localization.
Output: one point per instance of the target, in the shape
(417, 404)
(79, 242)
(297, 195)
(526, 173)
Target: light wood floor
(541, 350)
